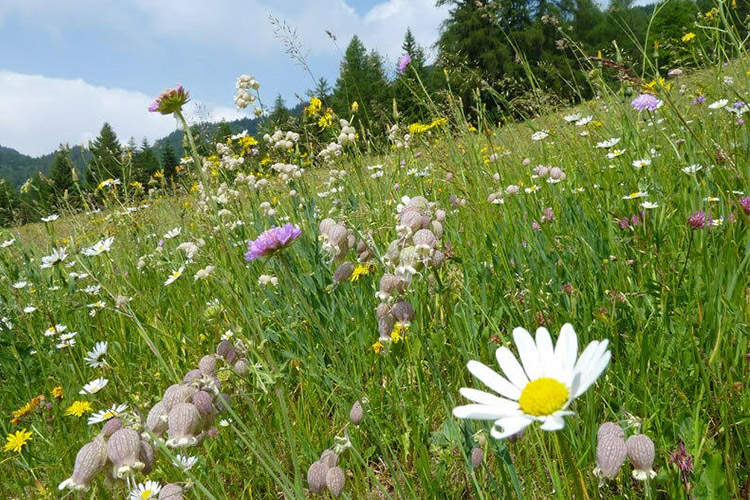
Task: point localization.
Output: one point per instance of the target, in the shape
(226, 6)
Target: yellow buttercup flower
(17, 440)
(58, 393)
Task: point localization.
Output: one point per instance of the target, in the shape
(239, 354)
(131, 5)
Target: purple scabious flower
(403, 62)
(700, 220)
(170, 101)
(646, 102)
(745, 204)
(272, 240)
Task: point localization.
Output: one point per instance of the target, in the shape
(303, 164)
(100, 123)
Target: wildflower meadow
(541, 305)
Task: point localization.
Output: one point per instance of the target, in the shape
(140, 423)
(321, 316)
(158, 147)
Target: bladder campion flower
(17, 440)
(539, 388)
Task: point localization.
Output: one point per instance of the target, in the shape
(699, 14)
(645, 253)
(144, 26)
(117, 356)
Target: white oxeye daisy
(649, 205)
(104, 415)
(691, 169)
(184, 462)
(641, 163)
(94, 386)
(635, 195)
(145, 491)
(94, 357)
(174, 276)
(173, 233)
(539, 135)
(539, 388)
(100, 247)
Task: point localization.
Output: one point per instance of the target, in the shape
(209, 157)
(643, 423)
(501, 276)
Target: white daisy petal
(510, 425)
(587, 356)
(566, 350)
(480, 412)
(594, 373)
(494, 381)
(546, 351)
(528, 353)
(488, 399)
(553, 423)
(511, 367)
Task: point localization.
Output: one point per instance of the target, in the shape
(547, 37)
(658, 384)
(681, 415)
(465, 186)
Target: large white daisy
(540, 387)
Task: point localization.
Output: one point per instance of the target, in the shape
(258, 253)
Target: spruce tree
(106, 159)
(409, 86)
(169, 161)
(61, 174)
(145, 163)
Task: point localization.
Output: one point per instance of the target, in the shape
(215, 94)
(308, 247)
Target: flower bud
(316, 477)
(329, 458)
(411, 218)
(183, 422)
(385, 326)
(424, 238)
(343, 272)
(242, 367)
(203, 402)
(335, 480)
(403, 311)
(611, 451)
(476, 457)
(177, 394)
(192, 376)
(207, 364)
(123, 450)
(111, 426)
(223, 348)
(156, 421)
(610, 429)
(356, 413)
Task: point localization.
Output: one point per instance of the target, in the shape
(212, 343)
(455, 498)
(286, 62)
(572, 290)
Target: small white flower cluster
(348, 134)
(244, 98)
(552, 174)
(227, 158)
(330, 152)
(287, 172)
(282, 140)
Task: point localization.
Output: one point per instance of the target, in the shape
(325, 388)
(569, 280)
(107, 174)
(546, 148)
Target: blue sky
(67, 66)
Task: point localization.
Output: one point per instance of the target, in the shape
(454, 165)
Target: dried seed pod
(437, 229)
(177, 394)
(476, 456)
(147, 457)
(641, 453)
(610, 429)
(329, 458)
(411, 218)
(231, 356)
(356, 413)
(223, 348)
(424, 239)
(440, 216)
(351, 241)
(156, 421)
(183, 422)
(339, 237)
(403, 311)
(124, 450)
(90, 459)
(385, 326)
(419, 202)
(192, 376)
(437, 259)
(242, 367)
(335, 480)
(110, 427)
(343, 272)
(382, 310)
(171, 491)
(316, 477)
(207, 364)
(611, 451)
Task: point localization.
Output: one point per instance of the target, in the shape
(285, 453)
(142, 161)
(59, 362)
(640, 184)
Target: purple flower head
(738, 105)
(684, 462)
(170, 101)
(549, 215)
(745, 204)
(700, 220)
(698, 100)
(646, 102)
(623, 222)
(403, 62)
(272, 240)
(535, 226)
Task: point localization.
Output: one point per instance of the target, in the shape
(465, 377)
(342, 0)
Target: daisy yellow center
(146, 494)
(544, 396)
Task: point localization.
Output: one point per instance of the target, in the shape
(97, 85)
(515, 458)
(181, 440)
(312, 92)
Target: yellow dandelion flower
(159, 174)
(78, 408)
(17, 440)
(360, 270)
(688, 36)
(314, 107)
(355, 107)
(399, 332)
(58, 393)
(377, 347)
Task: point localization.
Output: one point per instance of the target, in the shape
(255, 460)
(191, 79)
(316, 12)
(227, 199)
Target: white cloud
(38, 113)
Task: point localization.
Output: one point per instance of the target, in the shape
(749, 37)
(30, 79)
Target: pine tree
(322, 89)
(409, 86)
(223, 132)
(9, 205)
(145, 163)
(106, 157)
(279, 114)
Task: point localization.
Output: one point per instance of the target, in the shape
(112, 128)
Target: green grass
(673, 302)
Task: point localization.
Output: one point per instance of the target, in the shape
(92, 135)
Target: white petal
(566, 351)
(480, 412)
(528, 353)
(587, 356)
(511, 367)
(494, 381)
(510, 426)
(546, 351)
(593, 373)
(553, 423)
(488, 399)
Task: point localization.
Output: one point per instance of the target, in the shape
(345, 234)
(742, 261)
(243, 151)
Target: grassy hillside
(631, 225)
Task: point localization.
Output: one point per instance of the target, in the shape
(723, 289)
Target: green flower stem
(571, 467)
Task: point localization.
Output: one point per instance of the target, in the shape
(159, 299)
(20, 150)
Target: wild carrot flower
(17, 440)
(646, 102)
(271, 241)
(170, 101)
(539, 388)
